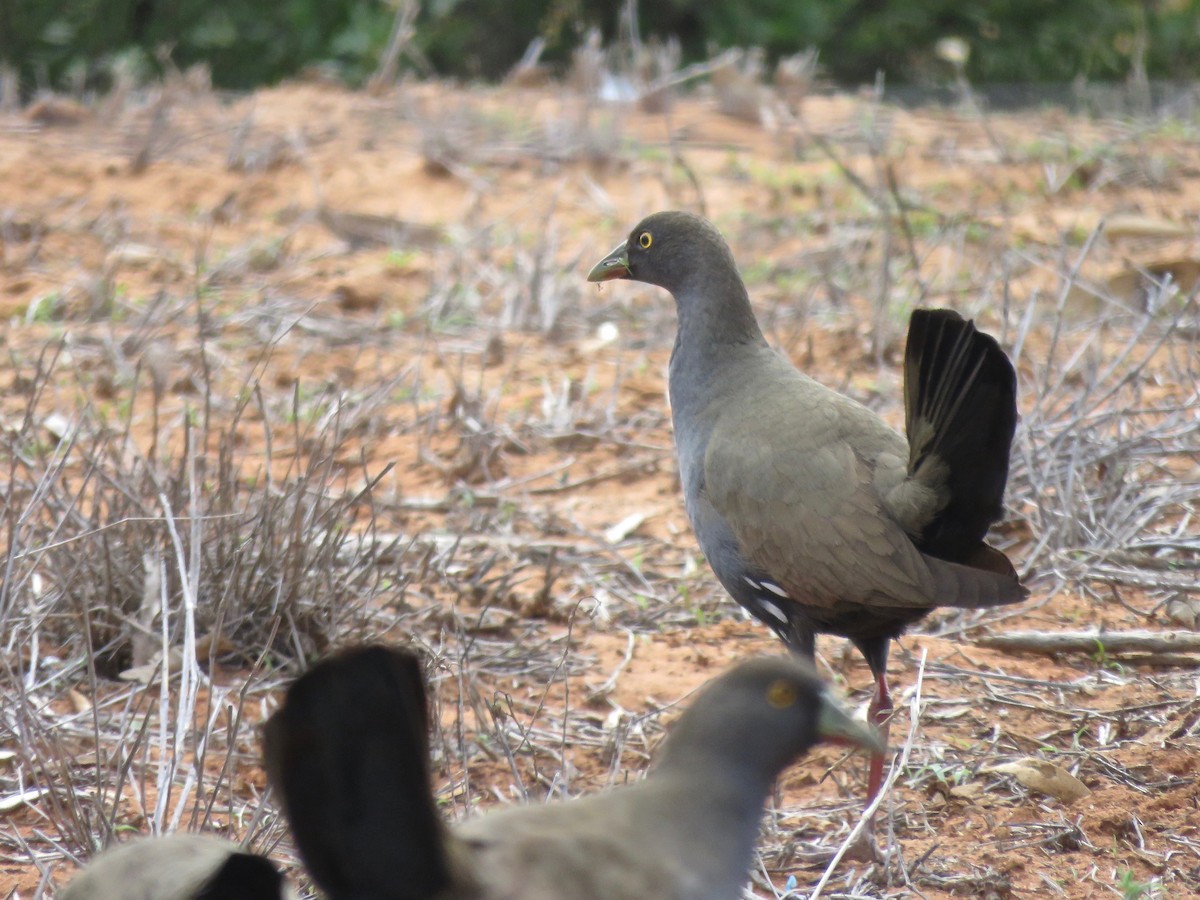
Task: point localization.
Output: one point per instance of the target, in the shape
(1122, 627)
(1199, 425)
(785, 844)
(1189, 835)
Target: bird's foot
(863, 849)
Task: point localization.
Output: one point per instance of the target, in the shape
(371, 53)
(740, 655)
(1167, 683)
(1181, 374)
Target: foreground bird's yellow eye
(645, 240)
(781, 694)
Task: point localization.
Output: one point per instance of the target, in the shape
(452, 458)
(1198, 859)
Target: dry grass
(239, 435)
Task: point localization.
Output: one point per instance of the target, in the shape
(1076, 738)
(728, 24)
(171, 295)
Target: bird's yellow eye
(645, 240)
(781, 694)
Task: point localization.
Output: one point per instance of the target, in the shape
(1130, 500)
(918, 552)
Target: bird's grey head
(759, 717)
(673, 250)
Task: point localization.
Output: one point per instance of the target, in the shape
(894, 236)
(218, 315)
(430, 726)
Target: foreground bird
(814, 514)
(178, 867)
(348, 754)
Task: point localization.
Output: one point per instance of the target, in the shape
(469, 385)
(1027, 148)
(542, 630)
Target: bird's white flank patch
(771, 609)
(774, 611)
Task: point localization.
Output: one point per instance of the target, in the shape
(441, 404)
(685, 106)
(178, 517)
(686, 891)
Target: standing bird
(815, 515)
(178, 867)
(348, 754)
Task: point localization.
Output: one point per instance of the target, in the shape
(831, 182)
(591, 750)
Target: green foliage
(245, 43)
(248, 43)
(1011, 40)
(1131, 888)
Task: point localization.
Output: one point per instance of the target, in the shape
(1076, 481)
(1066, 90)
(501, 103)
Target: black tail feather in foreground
(349, 753)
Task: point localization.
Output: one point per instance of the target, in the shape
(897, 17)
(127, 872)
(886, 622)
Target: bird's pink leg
(879, 714)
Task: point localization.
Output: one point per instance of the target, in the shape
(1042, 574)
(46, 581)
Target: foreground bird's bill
(614, 265)
(836, 726)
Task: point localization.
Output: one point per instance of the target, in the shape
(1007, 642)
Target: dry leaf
(606, 333)
(16, 801)
(1045, 777)
(1137, 226)
(368, 230)
(623, 529)
(971, 791)
(147, 673)
(57, 425)
(213, 643)
(139, 674)
(1184, 610)
(950, 712)
(79, 703)
(57, 111)
(142, 257)
(1136, 286)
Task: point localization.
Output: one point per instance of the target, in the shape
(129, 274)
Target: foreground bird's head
(672, 250)
(759, 717)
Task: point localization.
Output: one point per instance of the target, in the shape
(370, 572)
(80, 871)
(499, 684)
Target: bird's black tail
(348, 753)
(960, 404)
(243, 876)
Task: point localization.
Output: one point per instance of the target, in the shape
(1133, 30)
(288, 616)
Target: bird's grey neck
(724, 791)
(714, 309)
(709, 337)
(711, 838)
(732, 778)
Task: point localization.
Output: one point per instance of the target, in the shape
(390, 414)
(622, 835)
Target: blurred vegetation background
(77, 44)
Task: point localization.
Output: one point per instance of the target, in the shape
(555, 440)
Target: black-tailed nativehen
(178, 867)
(814, 514)
(348, 754)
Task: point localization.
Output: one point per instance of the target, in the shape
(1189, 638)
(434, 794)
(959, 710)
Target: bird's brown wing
(802, 498)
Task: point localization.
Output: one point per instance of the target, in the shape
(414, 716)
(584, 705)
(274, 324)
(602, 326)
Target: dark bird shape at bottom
(814, 514)
(178, 867)
(348, 754)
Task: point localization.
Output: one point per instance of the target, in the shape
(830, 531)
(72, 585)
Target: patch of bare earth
(300, 368)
